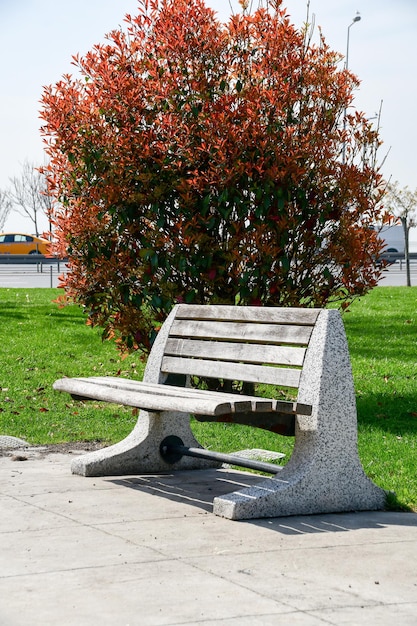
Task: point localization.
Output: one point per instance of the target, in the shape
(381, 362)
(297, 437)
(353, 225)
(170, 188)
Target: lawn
(40, 342)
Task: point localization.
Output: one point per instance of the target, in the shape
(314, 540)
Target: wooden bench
(301, 349)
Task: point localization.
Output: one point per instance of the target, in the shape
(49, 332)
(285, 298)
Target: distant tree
(199, 162)
(5, 206)
(29, 194)
(402, 205)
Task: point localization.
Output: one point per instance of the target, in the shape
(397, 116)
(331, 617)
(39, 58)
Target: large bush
(198, 162)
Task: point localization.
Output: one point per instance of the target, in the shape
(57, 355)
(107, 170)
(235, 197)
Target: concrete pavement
(146, 550)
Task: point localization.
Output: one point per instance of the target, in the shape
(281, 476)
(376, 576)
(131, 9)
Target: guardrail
(393, 257)
(29, 259)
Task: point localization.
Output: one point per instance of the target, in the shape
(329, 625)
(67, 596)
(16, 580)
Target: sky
(39, 37)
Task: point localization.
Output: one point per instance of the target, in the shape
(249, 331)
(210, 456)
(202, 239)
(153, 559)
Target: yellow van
(20, 243)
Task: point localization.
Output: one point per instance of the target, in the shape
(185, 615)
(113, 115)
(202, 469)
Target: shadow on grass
(12, 314)
(395, 339)
(390, 414)
(394, 504)
(68, 317)
(26, 312)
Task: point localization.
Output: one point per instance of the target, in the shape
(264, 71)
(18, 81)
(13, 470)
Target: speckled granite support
(138, 453)
(324, 473)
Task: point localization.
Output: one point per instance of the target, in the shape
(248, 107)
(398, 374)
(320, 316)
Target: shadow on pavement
(198, 488)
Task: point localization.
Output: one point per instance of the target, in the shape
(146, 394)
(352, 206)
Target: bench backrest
(251, 344)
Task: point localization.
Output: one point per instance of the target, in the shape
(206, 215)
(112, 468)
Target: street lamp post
(355, 19)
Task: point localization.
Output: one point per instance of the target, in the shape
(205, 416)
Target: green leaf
(190, 297)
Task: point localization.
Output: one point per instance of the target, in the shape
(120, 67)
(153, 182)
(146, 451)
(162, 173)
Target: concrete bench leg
(139, 453)
(324, 473)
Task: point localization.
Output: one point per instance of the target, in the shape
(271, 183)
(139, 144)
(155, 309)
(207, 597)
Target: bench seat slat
(232, 371)
(286, 315)
(172, 398)
(226, 351)
(142, 399)
(258, 403)
(242, 332)
(154, 396)
(254, 403)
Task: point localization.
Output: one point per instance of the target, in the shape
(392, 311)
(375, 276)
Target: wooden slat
(172, 398)
(284, 406)
(252, 403)
(258, 403)
(226, 351)
(149, 401)
(242, 332)
(280, 315)
(232, 371)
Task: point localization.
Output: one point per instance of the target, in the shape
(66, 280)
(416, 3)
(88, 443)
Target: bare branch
(5, 206)
(29, 194)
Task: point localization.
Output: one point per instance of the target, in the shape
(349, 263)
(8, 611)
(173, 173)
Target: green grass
(382, 336)
(40, 342)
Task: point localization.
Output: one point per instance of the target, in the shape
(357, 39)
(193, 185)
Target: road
(46, 275)
(31, 275)
(395, 275)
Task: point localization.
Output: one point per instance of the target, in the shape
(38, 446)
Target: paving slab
(147, 550)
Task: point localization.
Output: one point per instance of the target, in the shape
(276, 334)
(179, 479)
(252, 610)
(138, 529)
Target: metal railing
(29, 259)
(393, 257)
(33, 266)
